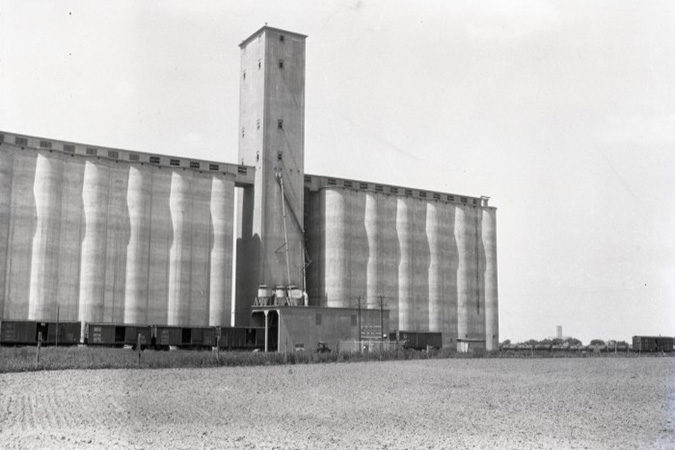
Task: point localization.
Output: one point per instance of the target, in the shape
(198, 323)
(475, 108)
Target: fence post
(37, 355)
(138, 349)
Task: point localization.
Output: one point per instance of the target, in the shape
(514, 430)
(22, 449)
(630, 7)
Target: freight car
(116, 335)
(417, 340)
(28, 332)
(642, 344)
(240, 338)
(184, 337)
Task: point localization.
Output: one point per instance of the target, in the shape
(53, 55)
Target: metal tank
(94, 244)
(70, 238)
(200, 250)
(138, 251)
(489, 234)
(6, 163)
(336, 241)
(161, 232)
(404, 228)
(179, 259)
(220, 280)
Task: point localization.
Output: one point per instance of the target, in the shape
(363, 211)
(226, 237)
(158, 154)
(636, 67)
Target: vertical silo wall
(221, 232)
(6, 163)
(98, 240)
(433, 261)
(21, 229)
(489, 225)
(45, 255)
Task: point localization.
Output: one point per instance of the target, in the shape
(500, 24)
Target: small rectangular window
(393, 190)
(437, 196)
(463, 199)
(281, 38)
(242, 170)
(280, 156)
(280, 124)
(308, 179)
(243, 74)
(423, 194)
(408, 192)
(69, 148)
(451, 198)
(194, 165)
(214, 167)
(154, 159)
(281, 63)
(348, 183)
(45, 144)
(318, 319)
(174, 162)
(113, 154)
(332, 182)
(133, 157)
(92, 151)
(363, 185)
(259, 64)
(20, 141)
(257, 124)
(243, 132)
(475, 202)
(379, 188)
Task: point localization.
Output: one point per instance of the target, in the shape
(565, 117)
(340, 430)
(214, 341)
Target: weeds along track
(450, 403)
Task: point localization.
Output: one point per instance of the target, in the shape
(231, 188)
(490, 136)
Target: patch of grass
(22, 359)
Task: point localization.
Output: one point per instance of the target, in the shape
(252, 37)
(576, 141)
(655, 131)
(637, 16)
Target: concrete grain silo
(104, 235)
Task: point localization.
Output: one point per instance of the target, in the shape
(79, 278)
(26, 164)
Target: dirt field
(497, 403)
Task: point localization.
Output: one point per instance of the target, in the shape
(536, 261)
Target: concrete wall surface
(432, 263)
(96, 240)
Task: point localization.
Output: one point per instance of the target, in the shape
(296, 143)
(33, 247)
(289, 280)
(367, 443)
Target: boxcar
(418, 340)
(18, 332)
(241, 338)
(184, 337)
(652, 344)
(115, 335)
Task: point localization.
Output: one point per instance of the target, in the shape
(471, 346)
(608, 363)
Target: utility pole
(381, 297)
(360, 346)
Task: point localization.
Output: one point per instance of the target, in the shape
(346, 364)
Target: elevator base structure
(300, 328)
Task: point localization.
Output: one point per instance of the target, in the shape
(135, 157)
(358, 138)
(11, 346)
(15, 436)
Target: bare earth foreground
(453, 403)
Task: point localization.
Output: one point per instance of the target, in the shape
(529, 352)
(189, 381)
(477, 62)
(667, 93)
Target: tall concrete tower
(270, 247)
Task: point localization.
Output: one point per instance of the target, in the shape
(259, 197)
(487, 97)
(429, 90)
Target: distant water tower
(558, 331)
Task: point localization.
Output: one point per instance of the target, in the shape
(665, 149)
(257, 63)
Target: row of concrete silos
(431, 263)
(100, 240)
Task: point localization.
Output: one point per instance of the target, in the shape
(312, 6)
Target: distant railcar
(417, 340)
(643, 344)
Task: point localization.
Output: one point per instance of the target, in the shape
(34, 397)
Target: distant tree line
(567, 342)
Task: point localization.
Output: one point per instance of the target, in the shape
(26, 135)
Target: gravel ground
(481, 403)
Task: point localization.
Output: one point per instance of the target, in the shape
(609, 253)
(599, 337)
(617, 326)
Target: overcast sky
(563, 112)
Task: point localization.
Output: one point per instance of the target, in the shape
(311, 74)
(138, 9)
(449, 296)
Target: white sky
(563, 112)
